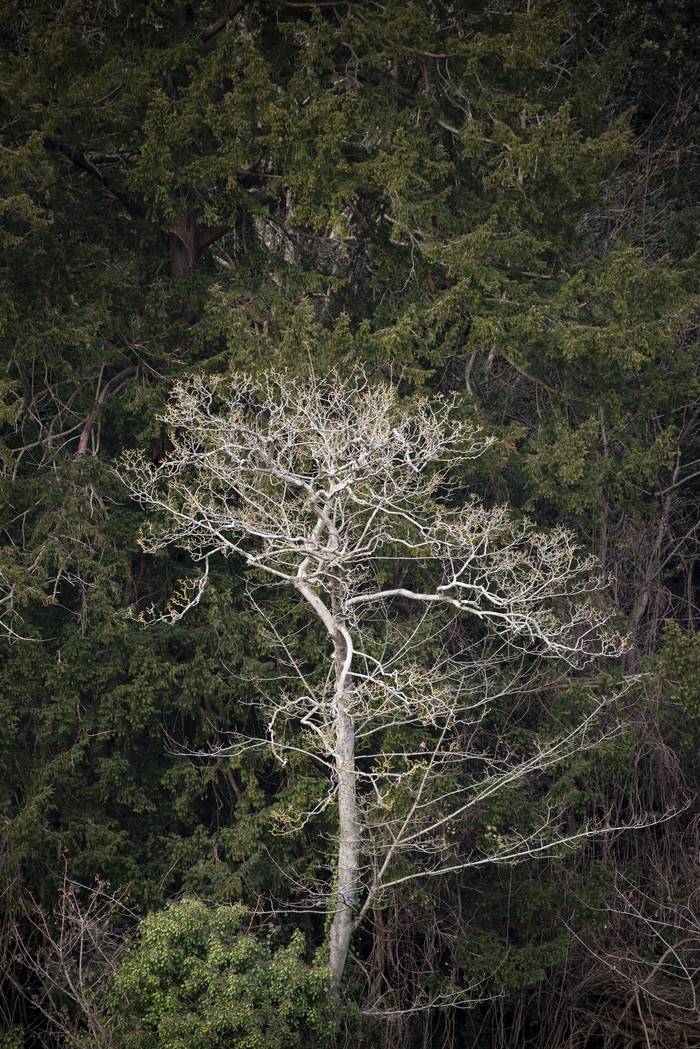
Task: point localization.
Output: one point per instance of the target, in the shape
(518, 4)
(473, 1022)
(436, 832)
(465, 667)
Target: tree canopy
(486, 205)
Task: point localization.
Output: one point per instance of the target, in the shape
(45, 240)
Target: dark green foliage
(497, 200)
(96, 726)
(679, 660)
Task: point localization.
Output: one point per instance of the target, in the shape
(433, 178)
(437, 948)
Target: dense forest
(236, 233)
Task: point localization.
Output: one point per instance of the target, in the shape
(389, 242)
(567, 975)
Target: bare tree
(434, 607)
(63, 961)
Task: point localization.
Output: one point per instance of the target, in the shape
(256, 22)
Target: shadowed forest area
(236, 235)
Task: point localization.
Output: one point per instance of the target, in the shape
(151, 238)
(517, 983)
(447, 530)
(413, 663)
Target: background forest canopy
(491, 206)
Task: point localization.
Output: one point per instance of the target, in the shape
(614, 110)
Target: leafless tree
(434, 607)
(62, 961)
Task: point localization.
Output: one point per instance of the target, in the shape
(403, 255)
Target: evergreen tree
(497, 200)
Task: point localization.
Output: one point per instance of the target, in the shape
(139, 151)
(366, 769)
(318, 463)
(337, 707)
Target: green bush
(195, 980)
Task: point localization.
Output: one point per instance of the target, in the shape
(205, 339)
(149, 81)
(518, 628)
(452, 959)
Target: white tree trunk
(349, 827)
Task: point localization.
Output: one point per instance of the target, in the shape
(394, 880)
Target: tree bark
(349, 827)
(182, 244)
